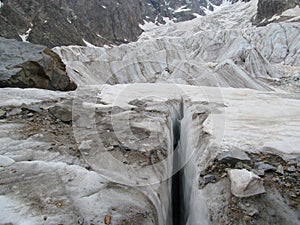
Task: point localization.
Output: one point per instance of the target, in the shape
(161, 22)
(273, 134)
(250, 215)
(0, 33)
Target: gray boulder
(233, 156)
(245, 183)
(61, 112)
(26, 65)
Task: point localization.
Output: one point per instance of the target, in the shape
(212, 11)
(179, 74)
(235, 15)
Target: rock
(264, 166)
(252, 212)
(280, 170)
(209, 178)
(233, 156)
(14, 111)
(268, 8)
(27, 65)
(245, 183)
(61, 112)
(2, 114)
(291, 169)
(57, 23)
(85, 145)
(5, 161)
(260, 173)
(240, 165)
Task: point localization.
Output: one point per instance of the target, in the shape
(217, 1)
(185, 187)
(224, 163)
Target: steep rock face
(55, 23)
(31, 66)
(268, 8)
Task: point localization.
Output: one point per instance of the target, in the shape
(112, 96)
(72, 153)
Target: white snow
(69, 21)
(88, 44)
(1, 4)
(197, 15)
(294, 12)
(147, 25)
(13, 211)
(24, 37)
(103, 6)
(168, 21)
(5, 161)
(248, 113)
(182, 9)
(275, 17)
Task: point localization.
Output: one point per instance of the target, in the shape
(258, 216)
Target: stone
(280, 169)
(245, 183)
(209, 178)
(264, 166)
(85, 145)
(2, 114)
(26, 65)
(252, 211)
(233, 156)
(14, 111)
(291, 169)
(61, 112)
(6, 161)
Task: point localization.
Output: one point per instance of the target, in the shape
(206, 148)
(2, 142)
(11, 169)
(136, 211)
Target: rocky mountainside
(55, 23)
(268, 8)
(216, 50)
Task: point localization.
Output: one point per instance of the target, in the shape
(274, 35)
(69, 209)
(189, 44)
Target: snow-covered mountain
(222, 49)
(55, 23)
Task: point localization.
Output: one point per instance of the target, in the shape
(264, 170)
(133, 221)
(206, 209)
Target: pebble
(209, 178)
(110, 148)
(264, 166)
(2, 114)
(291, 169)
(252, 212)
(240, 165)
(233, 156)
(248, 219)
(280, 170)
(260, 173)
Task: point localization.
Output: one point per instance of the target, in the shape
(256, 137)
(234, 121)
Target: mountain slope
(222, 49)
(55, 23)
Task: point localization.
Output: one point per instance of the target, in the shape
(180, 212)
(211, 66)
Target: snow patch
(88, 44)
(147, 26)
(25, 36)
(69, 21)
(292, 12)
(197, 15)
(13, 211)
(1, 4)
(275, 17)
(182, 9)
(103, 6)
(168, 21)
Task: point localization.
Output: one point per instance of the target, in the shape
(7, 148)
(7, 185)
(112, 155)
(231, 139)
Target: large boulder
(245, 183)
(27, 65)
